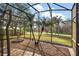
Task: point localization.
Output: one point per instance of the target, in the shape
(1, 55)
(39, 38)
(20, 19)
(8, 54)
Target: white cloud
(47, 14)
(39, 7)
(52, 8)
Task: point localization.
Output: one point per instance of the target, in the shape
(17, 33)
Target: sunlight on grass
(47, 37)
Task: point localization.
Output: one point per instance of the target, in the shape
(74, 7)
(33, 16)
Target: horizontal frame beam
(53, 10)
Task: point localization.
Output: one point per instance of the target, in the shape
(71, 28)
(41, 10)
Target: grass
(61, 39)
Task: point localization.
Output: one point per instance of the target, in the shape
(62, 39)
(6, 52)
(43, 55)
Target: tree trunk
(1, 35)
(1, 41)
(7, 33)
(24, 29)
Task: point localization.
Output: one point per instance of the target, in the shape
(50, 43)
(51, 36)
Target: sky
(65, 14)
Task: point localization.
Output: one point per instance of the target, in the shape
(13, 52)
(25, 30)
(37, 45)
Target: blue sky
(64, 14)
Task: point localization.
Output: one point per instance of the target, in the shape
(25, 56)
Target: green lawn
(62, 39)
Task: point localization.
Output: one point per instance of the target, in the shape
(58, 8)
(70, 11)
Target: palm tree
(55, 23)
(58, 20)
